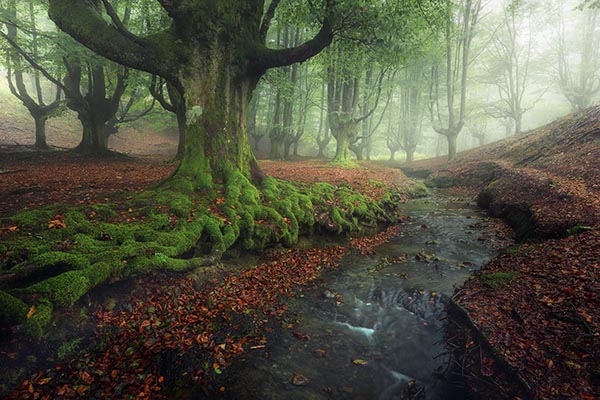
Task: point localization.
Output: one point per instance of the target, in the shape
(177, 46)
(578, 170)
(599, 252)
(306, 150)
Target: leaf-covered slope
(546, 182)
(537, 305)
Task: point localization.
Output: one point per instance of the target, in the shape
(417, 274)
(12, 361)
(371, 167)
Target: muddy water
(375, 328)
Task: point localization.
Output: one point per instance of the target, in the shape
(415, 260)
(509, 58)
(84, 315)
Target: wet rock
(110, 304)
(299, 380)
(347, 389)
(425, 257)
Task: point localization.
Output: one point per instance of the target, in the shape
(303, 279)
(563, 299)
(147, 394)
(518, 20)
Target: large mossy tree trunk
(217, 94)
(214, 53)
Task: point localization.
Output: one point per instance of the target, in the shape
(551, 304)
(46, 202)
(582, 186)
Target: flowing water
(375, 328)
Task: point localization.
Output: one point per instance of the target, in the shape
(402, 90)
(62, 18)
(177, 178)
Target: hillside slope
(536, 307)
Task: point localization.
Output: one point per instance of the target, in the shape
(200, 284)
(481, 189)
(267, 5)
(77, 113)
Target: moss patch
(498, 279)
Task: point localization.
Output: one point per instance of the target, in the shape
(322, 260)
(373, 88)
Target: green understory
(55, 255)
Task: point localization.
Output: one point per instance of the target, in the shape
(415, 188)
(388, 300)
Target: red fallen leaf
(86, 377)
(585, 315)
(145, 324)
(299, 379)
(81, 389)
(12, 356)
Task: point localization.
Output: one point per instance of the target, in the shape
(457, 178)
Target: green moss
(12, 309)
(33, 219)
(68, 348)
(498, 279)
(577, 229)
(53, 258)
(63, 290)
(36, 324)
(439, 181)
(417, 190)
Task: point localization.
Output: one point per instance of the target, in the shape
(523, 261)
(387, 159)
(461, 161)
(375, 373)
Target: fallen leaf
(31, 311)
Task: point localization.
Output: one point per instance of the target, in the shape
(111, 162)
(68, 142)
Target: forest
(305, 199)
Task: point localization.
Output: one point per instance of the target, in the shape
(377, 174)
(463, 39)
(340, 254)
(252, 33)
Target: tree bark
(452, 146)
(410, 154)
(40, 131)
(216, 100)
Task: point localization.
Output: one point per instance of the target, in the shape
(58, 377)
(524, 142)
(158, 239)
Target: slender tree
(509, 68)
(323, 134)
(459, 31)
(578, 71)
(171, 100)
(35, 104)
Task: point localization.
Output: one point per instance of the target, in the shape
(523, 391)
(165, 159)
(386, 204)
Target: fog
(528, 63)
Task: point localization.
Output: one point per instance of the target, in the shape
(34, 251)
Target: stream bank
(376, 327)
(536, 307)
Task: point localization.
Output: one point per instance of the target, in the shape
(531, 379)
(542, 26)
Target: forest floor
(538, 303)
(163, 335)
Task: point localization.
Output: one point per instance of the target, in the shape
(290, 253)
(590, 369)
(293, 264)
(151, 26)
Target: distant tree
(411, 110)
(448, 117)
(343, 95)
(92, 86)
(510, 66)
(169, 97)
(362, 144)
(578, 62)
(324, 136)
(18, 68)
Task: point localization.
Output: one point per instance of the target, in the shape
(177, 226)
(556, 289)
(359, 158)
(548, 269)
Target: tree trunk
(518, 124)
(410, 154)
(216, 100)
(40, 132)
(392, 155)
(93, 139)
(452, 146)
(342, 147)
(180, 114)
(277, 134)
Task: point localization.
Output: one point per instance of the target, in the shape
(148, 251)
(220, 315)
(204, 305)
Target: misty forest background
(423, 82)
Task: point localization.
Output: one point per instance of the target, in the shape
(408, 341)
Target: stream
(375, 328)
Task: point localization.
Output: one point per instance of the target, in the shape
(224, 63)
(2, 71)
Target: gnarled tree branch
(83, 20)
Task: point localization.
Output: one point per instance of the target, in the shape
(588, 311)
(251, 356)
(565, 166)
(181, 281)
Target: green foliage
(68, 348)
(498, 279)
(439, 181)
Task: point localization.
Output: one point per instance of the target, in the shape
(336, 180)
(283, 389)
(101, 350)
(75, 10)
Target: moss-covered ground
(51, 256)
